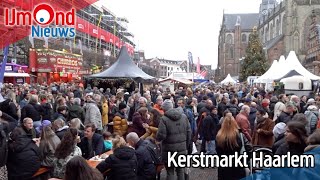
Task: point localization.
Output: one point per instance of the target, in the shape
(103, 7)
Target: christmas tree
(255, 63)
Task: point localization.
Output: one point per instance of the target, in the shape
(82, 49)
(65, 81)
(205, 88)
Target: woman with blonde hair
(122, 164)
(77, 124)
(229, 140)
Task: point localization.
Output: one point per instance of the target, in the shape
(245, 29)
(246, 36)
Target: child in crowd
(107, 136)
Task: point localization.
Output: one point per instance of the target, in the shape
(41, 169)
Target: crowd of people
(60, 126)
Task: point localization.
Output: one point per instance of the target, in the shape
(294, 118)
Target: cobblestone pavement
(197, 173)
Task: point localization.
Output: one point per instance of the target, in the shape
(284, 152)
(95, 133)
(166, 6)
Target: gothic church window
(244, 38)
(230, 53)
(229, 39)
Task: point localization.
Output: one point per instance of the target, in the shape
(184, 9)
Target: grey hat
(278, 129)
(167, 105)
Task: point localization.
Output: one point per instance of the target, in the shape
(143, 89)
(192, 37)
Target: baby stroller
(259, 172)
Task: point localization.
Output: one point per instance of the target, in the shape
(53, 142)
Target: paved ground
(197, 173)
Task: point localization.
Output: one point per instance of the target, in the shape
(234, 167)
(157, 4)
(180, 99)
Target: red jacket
(244, 124)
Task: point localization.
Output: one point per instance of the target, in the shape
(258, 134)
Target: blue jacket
(310, 173)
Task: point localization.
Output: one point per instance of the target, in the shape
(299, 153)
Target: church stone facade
(289, 25)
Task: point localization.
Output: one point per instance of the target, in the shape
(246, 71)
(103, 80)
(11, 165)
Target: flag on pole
(203, 73)
(198, 66)
(190, 62)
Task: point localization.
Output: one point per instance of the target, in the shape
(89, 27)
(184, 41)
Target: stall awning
(16, 75)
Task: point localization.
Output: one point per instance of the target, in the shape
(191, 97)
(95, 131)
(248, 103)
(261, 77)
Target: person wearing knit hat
(167, 105)
(122, 106)
(44, 124)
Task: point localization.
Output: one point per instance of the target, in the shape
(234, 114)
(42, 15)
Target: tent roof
(267, 76)
(289, 74)
(124, 67)
(228, 79)
(294, 64)
(183, 81)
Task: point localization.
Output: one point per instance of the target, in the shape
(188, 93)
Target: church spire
(238, 21)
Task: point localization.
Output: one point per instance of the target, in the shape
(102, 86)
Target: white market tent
(292, 63)
(267, 76)
(228, 80)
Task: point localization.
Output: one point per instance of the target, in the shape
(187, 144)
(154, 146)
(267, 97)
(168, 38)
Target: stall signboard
(52, 61)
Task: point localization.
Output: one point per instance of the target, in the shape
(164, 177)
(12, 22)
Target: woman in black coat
(122, 164)
(23, 160)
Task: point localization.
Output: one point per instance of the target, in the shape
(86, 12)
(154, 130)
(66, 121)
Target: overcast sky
(170, 28)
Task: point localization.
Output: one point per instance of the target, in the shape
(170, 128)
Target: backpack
(3, 146)
(155, 153)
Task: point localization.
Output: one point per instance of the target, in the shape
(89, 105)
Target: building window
(230, 53)
(278, 27)
(171, 68)
(244, 38)
(229, 39)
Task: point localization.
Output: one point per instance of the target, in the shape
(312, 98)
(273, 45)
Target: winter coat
(23, 158)
(59, 116)
(47, 151)
(146, 167)
(60, 164)
(33, 111)
(120, 124)
(221, 108)
(234, 109)
(137, 122)
(312, 117)
(122, 164)
(284, 117)
(244, 124)
(12, 123)
(293, 148)
(210, 127)
(76, 111)
(47, 111)
(97, 146)
(93, 115)
(252, 117)
(309, 173)
(175, 133)
(10, 108)
(60, 132)
(278, 142)
(232, 173)
(105, 113)
(158, 108)
(265, 137)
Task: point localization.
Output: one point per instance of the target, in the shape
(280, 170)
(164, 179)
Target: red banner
(91, 29)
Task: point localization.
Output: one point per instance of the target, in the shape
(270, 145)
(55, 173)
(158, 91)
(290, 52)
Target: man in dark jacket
(146, 167)
(287, 114)
(203, 103)
(222, 106)
(210, 129)
(76, 111)
(175, 133)
(32, 110)
(92, 143)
